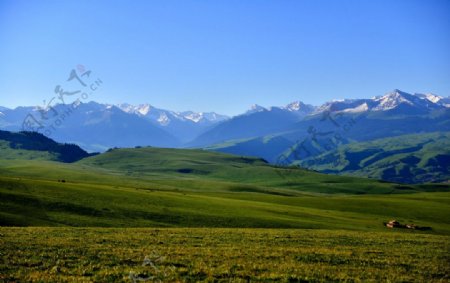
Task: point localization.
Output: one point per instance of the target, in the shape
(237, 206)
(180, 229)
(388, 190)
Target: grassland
(220, 255)
(207, 212)
(150, 187)
(6, 153)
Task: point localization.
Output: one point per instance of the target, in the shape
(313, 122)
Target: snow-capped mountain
(444, 101)
(141, 109)
(429, 96)
(299, 107)
(396, 101)
(184, 125)
(346, 106)
(202, 117)
(258, 121)
(93, 126)
(98, 126)
(296, 107)
(255, 108)
(165, 117)
(160, 116)
(169, 128)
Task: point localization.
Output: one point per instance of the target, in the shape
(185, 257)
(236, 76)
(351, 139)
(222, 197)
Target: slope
(414, 158)
(193, 188)
(31, 145)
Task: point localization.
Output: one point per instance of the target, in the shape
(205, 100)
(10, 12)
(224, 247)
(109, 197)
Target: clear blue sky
(224, 56)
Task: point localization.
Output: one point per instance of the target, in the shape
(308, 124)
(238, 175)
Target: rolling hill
(155, 187)
(415, 158)
(316, 136)
(32, 145)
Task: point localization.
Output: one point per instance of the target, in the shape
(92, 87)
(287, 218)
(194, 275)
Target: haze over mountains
(282, 135)
(148, 125)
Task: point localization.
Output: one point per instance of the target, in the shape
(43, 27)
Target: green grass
(192, 188)
(414, 158)
(317, 228)
(7, 153)
(33, 145)
(180, 164)
(221, 255)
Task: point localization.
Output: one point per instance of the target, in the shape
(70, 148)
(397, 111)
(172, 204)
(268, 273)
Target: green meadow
(220, 255)
(213, 217)
(193, 188)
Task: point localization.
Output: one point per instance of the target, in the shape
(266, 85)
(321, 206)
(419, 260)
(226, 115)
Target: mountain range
(282, 135)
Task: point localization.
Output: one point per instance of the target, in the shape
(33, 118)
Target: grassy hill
(414, 158)
(132, 204)
(32, 145)
(193, 188)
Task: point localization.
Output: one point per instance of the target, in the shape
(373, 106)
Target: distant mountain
(255, 108)
(341, 122)
(256, 122)
(300, 108)
(414, 158)
(93, 126)
(161, 116)
(395, 102)
(97, 127)
(185, 126)
(31, 145)
(268, 147)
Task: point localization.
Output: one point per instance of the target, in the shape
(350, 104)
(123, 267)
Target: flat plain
(220, 255)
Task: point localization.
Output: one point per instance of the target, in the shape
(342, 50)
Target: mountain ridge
(127, 125)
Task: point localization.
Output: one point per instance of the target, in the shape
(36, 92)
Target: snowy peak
(430, 97)
(125, 107)
(141, 109)
(399, 98)
(202, 116)
(163, 120)
(255, 108)
(345, 105)
(358, 109)
(294, 106)
(195, 117)
(298, 106)
(391, 101)
(433, 98)
(396, 100)
(165, 117)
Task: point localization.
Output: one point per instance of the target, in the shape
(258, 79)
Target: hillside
(313, 136)
(182, 167)
(415, 158)
(194, 188)
(32, 145)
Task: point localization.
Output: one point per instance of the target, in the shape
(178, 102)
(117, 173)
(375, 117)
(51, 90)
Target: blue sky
(224, 56)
